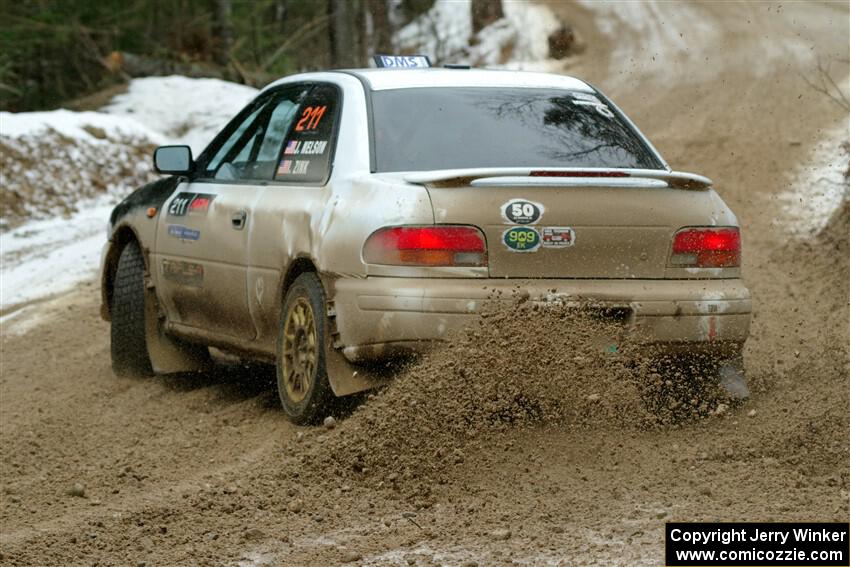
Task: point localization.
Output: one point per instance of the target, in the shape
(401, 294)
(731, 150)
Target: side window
(307, 149)
(281, 120)
(251, 151)
(228, 146)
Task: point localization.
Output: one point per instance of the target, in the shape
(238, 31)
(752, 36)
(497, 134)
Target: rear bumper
(380, 316)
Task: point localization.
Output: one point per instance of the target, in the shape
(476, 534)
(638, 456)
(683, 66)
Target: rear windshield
(424, 129)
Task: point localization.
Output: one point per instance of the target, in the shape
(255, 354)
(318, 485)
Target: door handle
(237, 220)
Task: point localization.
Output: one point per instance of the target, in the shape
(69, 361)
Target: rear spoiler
(584, 177)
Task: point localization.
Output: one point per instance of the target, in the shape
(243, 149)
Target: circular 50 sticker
(520, 211)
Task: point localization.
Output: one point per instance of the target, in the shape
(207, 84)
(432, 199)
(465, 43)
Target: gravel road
(205, 470)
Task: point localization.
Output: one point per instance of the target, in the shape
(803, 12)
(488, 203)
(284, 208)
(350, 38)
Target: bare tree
(396, 14)
(224, 23)
(280, 12)
(377, 27)
(382, 29)
(342, 33)
(484, 13)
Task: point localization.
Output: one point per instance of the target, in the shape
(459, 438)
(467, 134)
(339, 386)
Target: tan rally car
(350, 216)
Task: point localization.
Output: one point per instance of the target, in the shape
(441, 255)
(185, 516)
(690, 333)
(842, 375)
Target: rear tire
(129, 344)
(302, 378)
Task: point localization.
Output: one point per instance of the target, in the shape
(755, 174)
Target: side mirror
(175, 160)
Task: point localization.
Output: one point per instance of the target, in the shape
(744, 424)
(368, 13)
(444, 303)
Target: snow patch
(184, 110)
(656, 35)
(70, 168)
(532, 24)
(672, 40)
(255, 558)
(85, 127)
(22, 321)
(517, 41)
(48, 257)
(819, 188)
(53, 162)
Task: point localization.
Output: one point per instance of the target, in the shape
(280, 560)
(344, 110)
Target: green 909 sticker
(521, 239)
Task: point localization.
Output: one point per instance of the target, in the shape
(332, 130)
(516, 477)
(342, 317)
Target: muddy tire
(129, 345)
(302, 378)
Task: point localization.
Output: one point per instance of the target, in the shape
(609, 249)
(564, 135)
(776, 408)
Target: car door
(202, 235)
(289, 208)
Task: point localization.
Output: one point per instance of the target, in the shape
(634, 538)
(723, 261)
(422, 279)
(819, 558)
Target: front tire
(302, 378)
(129, 347)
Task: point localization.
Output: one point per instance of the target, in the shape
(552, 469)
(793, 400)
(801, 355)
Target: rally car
(348, 217)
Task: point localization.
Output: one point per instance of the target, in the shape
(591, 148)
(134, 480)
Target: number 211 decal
(310, 118)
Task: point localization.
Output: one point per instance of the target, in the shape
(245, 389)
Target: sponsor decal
(521, 211)
(521, 239)
(586, 99)
(310, 119)
(200, 204)
(300, 167)
(558, 236)
(290, 167)
(190, 203)
(306, 148)
(315, 147)
(183, 273)
(404, 61)
(183, 232)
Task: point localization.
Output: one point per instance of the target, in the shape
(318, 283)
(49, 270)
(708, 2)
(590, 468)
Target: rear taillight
(426, 246)
(706, 248)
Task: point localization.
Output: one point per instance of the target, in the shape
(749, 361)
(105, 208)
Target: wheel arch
(343, 377)
(122, 236)
(300, 265)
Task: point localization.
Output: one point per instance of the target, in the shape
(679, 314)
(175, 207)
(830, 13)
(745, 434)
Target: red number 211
(310, 118)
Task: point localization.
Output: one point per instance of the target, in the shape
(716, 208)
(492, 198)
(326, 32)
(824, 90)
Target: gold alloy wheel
(300, 350)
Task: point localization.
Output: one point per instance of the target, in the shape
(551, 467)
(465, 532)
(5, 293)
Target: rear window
(424, 129)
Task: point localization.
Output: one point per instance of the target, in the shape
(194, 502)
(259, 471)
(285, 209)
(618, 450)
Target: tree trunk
(224, 25)
(365, 30)
(342, 34)
(382, 29)
(484, 13)
(280, 13)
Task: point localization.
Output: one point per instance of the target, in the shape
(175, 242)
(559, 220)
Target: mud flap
(346, 378)
(168, 355)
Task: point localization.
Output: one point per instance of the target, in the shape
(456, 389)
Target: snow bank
(53, 161)
(69, 169)
(46, 257)
(85, 127)
(656, 36)
(519, 40)
(184, 110)
(532, 25)
(672, 40)
(820, 187)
